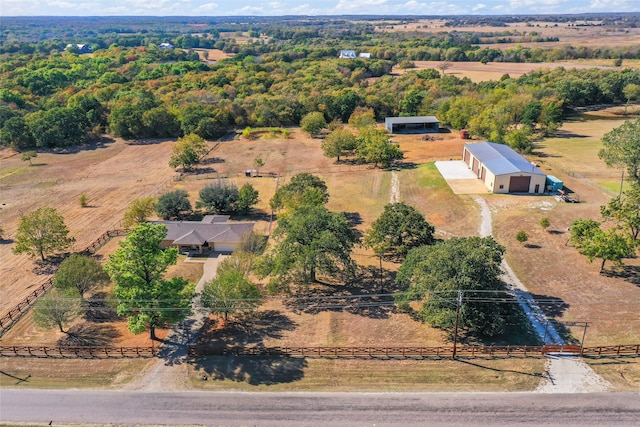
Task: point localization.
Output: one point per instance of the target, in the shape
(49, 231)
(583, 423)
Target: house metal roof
(415, 119)
(500, 159)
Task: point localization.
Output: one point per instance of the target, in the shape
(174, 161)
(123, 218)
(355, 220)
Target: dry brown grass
(568, 33)
(293, 374)
(111, 175)
(622, 372)
(19, 372)
(478, 72)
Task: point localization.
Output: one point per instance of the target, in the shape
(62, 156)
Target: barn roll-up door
(519, 184)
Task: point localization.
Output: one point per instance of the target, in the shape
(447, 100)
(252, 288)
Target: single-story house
(213, 233)
(502, 170)
(419, 124)
(82, 48)
(364, 55)
(349, 54)
(165, 46)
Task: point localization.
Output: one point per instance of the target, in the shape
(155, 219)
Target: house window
(501, 186)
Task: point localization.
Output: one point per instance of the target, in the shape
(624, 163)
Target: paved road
(319, 409)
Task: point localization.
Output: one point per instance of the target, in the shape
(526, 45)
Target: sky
(307, 7)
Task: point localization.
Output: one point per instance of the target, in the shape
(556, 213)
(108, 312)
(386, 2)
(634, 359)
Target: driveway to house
(565, 373)
(169, 372)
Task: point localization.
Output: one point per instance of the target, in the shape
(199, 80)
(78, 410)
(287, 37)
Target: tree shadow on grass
(263, 370)
(551, 306)
(361, 297)
(49, 265)
(89, 334)
(251, 329)
(630, 273)
(99, 310)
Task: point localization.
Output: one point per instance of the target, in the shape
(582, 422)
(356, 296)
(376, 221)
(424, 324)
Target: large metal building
(418, 124)
(502, 170)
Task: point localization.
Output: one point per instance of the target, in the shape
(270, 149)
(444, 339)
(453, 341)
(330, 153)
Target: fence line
(9, 319)
(326, 170)
(367, 352)
(412, 352)
(81, 352)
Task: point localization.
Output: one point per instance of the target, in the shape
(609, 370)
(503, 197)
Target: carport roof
(500, 159)
(409, 120)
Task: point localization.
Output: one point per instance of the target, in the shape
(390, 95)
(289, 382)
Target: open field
(478, 72)
(111, 174)
(577, 33)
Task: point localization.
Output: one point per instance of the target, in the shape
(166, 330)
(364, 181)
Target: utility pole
(455, 332)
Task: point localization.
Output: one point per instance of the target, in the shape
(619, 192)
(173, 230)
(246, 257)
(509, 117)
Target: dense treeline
(51, 97)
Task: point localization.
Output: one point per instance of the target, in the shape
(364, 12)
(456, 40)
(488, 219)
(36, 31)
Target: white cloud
(207, 7)
(351, 6)
(478, 7)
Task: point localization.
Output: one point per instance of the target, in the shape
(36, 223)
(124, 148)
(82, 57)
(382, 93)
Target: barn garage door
(466, 157)
(519, 184)
(474, 167)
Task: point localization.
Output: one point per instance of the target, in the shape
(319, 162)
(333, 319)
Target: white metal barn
(503, 170)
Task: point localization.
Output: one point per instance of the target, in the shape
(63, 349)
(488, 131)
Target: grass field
(292, 374)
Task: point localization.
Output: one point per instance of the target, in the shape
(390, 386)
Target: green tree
(138, 211)
(83, 200)
(339, 142)
(188, 151)
(28, 155)
(375, 146)
(625, 211)
(42, 232)
(258, 163)
(397, 230)
(434, 274)
(58, 307)
(57, 127)
(173, 205)
(144, 295)
(303, 189)
(621, 147)
(544, 222)
(82, 273)
(632, 93)
(230, 292)
(15, 133)
(313, 123)
(309, 241)
(219, 197)
(252, 243)
(362, 117)
(518, 139)
(522, 236)
(593, 242)
(247, 198)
